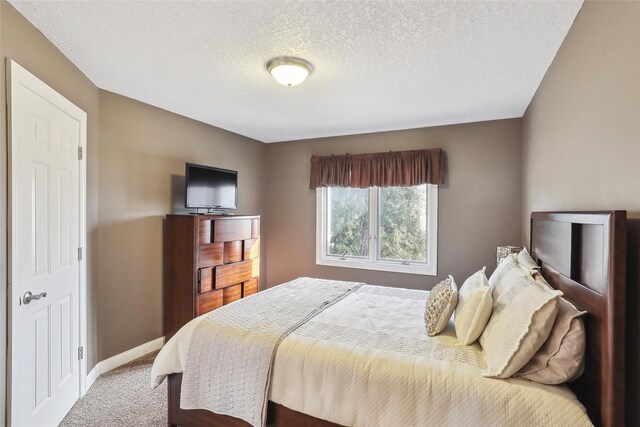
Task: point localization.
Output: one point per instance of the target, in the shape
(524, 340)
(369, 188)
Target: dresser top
(210, 217)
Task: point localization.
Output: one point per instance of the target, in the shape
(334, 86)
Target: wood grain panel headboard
(583, 254)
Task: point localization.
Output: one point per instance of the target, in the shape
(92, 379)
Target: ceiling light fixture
(289, 71)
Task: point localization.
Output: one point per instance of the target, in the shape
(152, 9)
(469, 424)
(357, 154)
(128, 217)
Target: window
(388, 228)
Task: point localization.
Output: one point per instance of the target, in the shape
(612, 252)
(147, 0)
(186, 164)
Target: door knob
(28, 297)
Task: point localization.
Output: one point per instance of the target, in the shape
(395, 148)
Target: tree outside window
(379, 227)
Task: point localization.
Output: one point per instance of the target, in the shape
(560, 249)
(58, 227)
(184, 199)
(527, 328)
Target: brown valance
(390, 169)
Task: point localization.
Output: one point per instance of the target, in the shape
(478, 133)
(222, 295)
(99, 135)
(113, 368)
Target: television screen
(209, 187)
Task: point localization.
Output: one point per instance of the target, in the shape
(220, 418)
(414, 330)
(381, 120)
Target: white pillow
(523, 314)
(440, 305)
(474, 307)
(525, 260)
(505, 266)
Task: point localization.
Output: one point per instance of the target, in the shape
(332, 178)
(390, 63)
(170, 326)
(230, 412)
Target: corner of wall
(3, 231)
(524, 188)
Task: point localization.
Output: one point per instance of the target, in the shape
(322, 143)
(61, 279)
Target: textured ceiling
(378, 65)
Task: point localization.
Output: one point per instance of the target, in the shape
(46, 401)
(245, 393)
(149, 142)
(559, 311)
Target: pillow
(474, 307)
(523, 314)
(440, 304)
(561, 357)
(505, 266)
(525, 260)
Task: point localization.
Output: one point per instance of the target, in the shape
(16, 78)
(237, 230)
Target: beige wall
(3, 239)
(479, 204)
(143, 151)
(581, 132)
(581, 139)
(21, 42)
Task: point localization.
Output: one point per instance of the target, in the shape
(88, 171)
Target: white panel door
(45, 236)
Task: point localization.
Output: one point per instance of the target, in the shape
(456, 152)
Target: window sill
(421, 269)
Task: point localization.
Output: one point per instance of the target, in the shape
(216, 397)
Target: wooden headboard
(583, 254)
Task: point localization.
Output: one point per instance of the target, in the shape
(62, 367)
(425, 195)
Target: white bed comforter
(367, 361)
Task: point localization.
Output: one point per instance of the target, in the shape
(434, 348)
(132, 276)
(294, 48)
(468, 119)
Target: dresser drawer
(225, 230)
(251, 248)
(208, 301)
(232, 293)
(255, 267)
(205, 279)
(232, 251)
(232, 274)
(210, 255)
(250, 287)
(255, 228)
(204, 231)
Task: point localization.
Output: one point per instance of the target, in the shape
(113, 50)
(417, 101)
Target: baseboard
(121, 359)
(92, 376)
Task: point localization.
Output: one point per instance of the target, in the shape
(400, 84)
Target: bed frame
(581, 253)
(584, 254)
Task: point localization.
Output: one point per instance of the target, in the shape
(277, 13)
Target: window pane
(348, 216)
(403, 223)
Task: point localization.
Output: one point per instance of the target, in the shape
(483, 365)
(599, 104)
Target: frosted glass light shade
(289, 71)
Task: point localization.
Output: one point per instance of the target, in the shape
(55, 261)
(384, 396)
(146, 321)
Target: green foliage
(349, 224)
(402, 222)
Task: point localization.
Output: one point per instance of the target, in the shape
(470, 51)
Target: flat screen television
(210, 188)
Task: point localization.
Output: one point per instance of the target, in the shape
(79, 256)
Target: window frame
(373, 262)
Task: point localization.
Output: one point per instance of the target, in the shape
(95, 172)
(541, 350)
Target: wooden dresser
(209, 261)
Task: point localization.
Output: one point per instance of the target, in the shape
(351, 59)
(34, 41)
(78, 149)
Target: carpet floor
(122, 397)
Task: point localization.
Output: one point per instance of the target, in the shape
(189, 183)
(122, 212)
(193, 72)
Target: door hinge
(80, 353)
(79, 254)
(80, 153)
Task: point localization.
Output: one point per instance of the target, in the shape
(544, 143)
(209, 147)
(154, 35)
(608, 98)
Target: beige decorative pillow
(525, 260)
(440, 304)
(505, 266)
(474, 307)
(523, 314)
(561, 357)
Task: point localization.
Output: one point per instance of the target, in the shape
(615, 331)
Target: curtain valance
(389, 169)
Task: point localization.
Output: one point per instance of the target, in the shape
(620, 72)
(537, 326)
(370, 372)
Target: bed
(583, 254)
